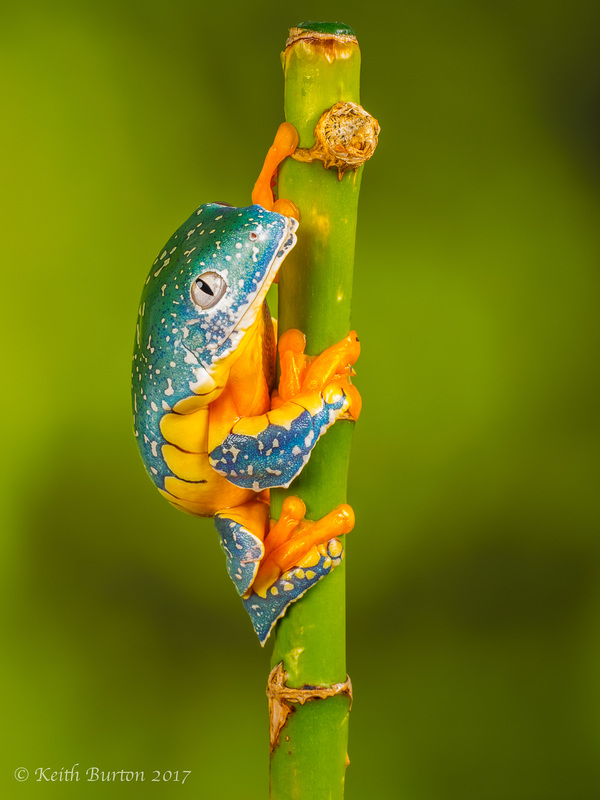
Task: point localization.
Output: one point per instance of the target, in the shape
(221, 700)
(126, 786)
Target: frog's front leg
(273, 563)
(284, 144)
(271, 449)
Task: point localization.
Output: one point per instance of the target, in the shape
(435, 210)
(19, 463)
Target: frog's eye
(253, 236)
(208, 289)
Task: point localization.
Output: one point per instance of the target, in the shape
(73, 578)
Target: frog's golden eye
(208, 289)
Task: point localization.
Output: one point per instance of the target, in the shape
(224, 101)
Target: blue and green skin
(213, 435)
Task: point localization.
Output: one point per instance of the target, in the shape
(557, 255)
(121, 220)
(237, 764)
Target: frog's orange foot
(329, 371)
(286, 141)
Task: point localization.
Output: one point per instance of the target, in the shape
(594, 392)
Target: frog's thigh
(242, 531)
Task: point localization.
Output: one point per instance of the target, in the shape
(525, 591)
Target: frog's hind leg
(271, 449)
(293, 566)
(273, 563)
(298, 553)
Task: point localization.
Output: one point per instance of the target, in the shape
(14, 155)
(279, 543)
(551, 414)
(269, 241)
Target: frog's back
(157, 383)
(182, 347)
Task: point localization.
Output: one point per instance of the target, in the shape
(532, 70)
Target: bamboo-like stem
(315, 290)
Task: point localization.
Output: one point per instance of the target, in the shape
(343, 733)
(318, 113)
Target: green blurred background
(474, 570)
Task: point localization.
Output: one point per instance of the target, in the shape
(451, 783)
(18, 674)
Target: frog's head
(206, 289)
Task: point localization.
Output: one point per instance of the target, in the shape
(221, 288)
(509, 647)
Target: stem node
(282, 698)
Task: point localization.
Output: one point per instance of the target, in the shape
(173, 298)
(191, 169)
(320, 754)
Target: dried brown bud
(345, 137)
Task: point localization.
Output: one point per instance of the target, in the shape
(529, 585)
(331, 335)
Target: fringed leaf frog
(213, 434)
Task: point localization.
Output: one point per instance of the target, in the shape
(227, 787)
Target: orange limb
(286, 141)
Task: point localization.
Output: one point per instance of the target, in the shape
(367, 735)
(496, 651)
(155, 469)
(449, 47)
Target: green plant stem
(315, 290)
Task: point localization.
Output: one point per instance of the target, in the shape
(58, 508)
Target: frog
(215, 431)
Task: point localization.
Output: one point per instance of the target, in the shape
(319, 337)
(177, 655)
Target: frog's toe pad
(243, 551)
(289, 587)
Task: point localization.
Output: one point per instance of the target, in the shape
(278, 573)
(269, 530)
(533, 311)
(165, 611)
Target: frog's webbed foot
(329, 371)
(274, 570)
(286, 141)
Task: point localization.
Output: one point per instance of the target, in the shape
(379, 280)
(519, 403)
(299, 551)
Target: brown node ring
(345, 137)
(282, 697)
